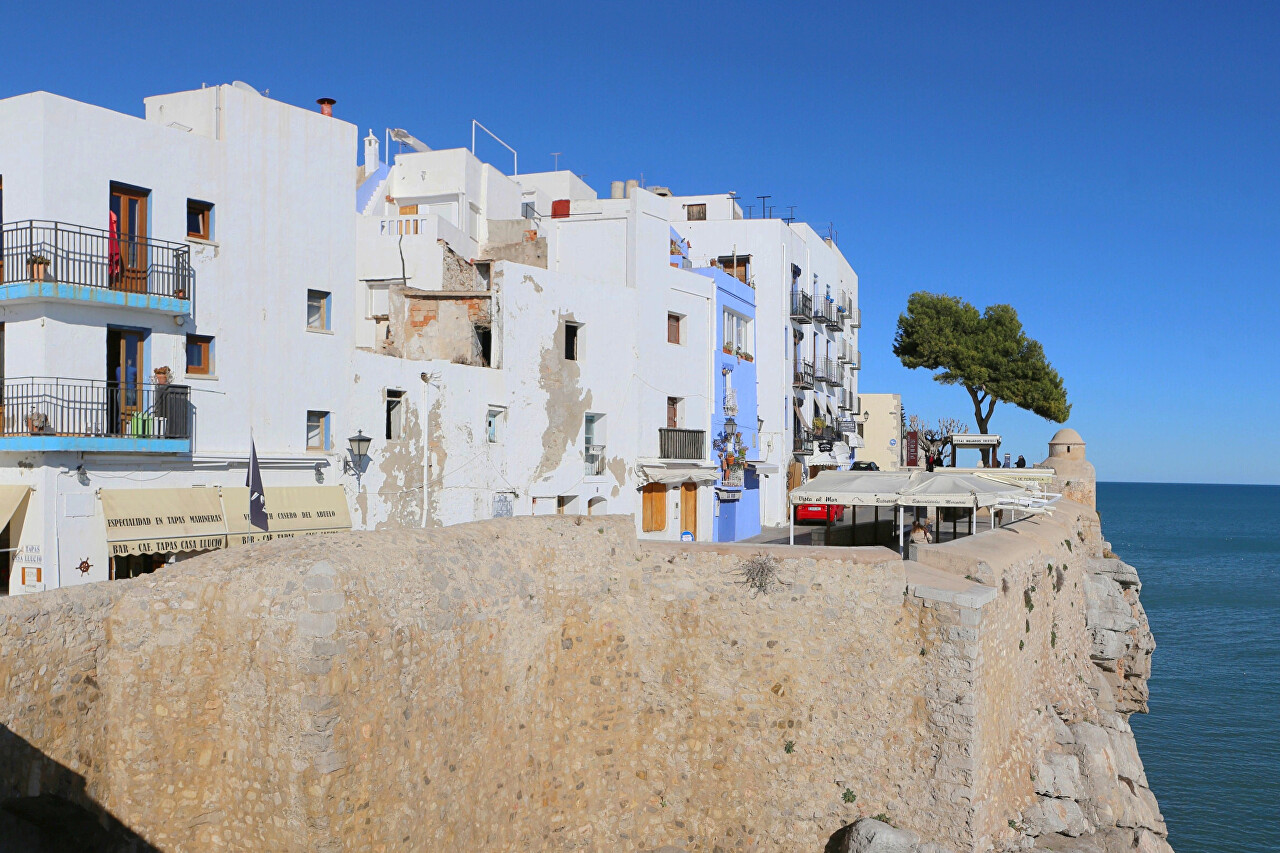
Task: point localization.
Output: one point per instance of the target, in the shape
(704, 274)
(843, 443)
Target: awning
(163, 521)
(959, 490)
(762, 467)
(676, 472)
(855, 440)
(291, 511)
(851, 488)
(10, 499)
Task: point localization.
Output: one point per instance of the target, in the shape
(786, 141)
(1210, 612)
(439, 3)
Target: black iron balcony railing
(682, 443)
(801, 307)
(40, 251)
(822, 370)
(42, 405)
(802, 442)
(835, 317)
(803, 377)
(822, 310)
(855, 318)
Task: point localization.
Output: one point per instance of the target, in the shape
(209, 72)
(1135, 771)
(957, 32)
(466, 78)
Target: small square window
(571, 341)
(493, 425)
(318, 310)
(199, 219)
(317, 430)
(395, 414)
(673, 328)
(696, 212)
(199, 355)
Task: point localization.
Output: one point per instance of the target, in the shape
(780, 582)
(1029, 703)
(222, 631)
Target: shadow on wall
(50, 812)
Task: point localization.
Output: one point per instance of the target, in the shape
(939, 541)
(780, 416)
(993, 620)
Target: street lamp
(359, 446)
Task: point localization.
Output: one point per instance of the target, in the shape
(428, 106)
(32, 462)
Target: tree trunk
(983, 420)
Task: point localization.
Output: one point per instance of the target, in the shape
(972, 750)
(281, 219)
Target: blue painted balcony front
(42, 413)
(42, 260)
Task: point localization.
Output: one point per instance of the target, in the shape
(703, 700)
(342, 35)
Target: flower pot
(38, 270)
(37, 423)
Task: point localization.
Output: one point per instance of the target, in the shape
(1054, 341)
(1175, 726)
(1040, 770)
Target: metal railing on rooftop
(46, 251)
(44, 405)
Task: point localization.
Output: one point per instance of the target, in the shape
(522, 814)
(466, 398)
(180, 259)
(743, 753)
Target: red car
(819, 512)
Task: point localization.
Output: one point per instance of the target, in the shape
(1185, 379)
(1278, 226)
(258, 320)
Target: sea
(1209, 558)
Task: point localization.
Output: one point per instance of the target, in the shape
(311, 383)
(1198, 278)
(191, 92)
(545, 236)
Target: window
(492, 425)
(484, 269)
(317, 430)
(483, 344)
(654, 507)
(593, 444)
(571, 341)
(673, 412)
(395, 414)
(318, 310)
(199, 355)
(737, 333)
(199, 219)
(673, 328)
(528, 210)
(696, 212)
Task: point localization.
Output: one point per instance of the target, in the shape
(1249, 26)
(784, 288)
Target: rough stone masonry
(552, 683)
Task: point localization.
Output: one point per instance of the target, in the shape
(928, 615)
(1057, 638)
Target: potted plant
(180, 293)
(819, 424)
(162, 374)
(38, 267)
(727, 349)
(37, 422)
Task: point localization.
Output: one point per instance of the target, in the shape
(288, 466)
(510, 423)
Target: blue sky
(1112, 170)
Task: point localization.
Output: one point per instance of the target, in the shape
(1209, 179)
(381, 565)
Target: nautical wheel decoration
(85, 566)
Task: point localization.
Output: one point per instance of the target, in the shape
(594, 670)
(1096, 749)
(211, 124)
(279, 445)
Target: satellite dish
(245, 87)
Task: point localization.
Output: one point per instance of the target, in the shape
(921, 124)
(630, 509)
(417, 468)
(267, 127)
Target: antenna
(791, 214)
(556, 154)
(764, 208)
(750, 208)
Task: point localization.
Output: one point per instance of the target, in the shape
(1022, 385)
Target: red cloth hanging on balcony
(113, 244)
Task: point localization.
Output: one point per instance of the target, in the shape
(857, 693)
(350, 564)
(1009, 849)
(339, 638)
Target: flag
(257, 498)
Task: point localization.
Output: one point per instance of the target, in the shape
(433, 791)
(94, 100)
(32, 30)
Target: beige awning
(163, 521)
(291, 511)
(10, 499)
(679, 472)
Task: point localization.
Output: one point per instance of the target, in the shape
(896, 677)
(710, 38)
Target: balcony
(803, 376)
(820, 370)
(593, 456)
(821, 311)
(835, 319)
(801, 307)
(682, 443)
(85, 415)
(855, 318)
(802, 442)
(845, 352)
(855, 360)
(42, 260)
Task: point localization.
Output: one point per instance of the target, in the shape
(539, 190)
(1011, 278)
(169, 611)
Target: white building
(543, 352)
(507, 345)
(212, 238)
(807, 357)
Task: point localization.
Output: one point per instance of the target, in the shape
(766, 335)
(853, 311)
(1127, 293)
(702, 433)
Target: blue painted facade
(31, 291)
(93, 444)
(738, 489)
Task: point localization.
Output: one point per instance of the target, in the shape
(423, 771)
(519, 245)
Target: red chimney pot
(326, 105)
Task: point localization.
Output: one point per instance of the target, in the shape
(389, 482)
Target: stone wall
(552, 683)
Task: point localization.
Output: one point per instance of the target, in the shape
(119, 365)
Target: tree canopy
(988, 354)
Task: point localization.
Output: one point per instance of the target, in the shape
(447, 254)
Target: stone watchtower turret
(1073, 474)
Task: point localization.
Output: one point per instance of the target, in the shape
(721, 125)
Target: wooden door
(128, 252)
(654, 498)
(124, 379)
(673, 413)
(689, 508)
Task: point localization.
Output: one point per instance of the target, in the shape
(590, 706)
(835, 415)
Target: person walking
(920, 534)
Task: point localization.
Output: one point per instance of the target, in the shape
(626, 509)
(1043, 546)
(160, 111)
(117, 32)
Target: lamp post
(359, 446)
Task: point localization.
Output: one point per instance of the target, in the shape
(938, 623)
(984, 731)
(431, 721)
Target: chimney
(370, 153)
(326, 106)
(632, 186)
(616, 190)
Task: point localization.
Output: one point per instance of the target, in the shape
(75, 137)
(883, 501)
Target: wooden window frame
(675, 323)
(205, 343)
(325, 420)
(691, 209)
(394, 414)
(204, 210)
(326, 322)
